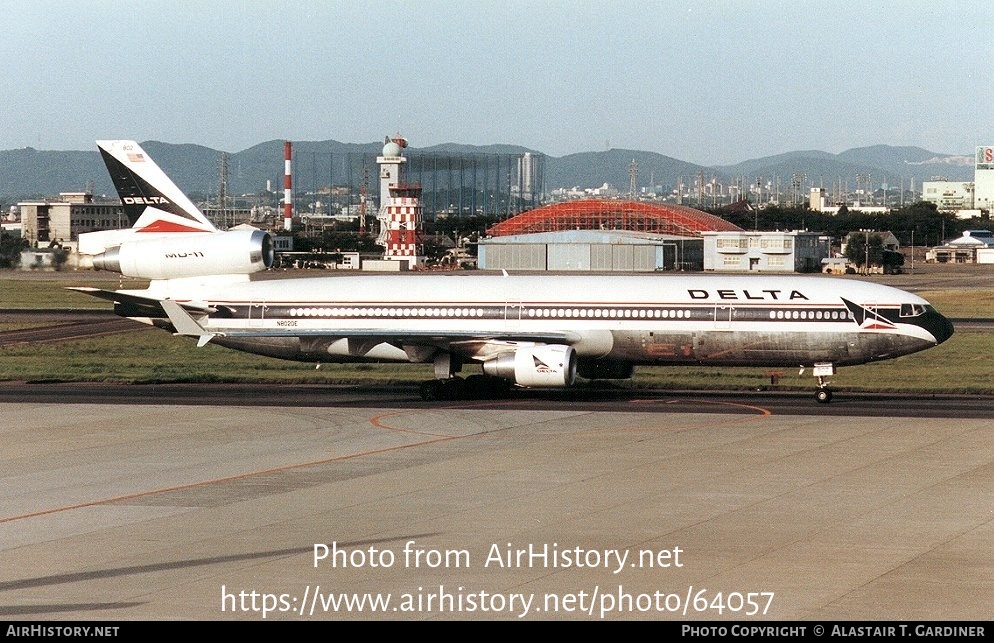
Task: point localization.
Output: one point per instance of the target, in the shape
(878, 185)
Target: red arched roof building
(598, 214)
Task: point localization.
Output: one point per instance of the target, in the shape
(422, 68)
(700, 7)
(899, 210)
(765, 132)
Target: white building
(965, 197)
(983, 178)
(795, 251)
(949, 195)
(975, 246)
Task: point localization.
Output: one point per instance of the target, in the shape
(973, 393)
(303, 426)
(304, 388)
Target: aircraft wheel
(485, 387)
(451, 389)
(824, 395)
(500, 388)
(476, 387)
(431, 390)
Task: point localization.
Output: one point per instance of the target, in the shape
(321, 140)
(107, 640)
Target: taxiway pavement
(154, 512)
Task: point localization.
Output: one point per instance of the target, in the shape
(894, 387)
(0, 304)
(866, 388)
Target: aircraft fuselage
(650, 319)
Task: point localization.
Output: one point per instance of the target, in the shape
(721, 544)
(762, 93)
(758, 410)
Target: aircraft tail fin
(152, 202)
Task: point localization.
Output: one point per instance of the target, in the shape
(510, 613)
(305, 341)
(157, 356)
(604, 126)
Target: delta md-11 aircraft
(526, 331)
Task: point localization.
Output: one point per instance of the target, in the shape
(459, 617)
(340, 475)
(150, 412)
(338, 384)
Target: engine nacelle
(551, 365)
(190, 254)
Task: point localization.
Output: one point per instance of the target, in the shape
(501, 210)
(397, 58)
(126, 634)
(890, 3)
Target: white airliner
(529, 331)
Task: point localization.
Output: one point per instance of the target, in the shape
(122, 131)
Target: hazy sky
(711, 82)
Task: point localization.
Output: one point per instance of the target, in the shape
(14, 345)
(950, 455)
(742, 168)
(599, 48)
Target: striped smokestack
(287, 186)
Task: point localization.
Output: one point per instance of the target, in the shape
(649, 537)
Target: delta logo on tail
(136, 193)
(151, 201)
(866, 318)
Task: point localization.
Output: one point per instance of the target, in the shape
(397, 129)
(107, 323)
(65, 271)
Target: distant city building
(949, 195)
(984, 178)
(796, 251)
(526, 176)
(966, 198)
(282, 243)
(225, 218)
(818, 201)
(61, 222)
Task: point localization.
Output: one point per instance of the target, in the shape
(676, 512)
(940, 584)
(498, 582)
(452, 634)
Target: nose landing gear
(822, 372)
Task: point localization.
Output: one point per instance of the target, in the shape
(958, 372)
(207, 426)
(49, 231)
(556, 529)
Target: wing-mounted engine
(552, 365)
(235, 252)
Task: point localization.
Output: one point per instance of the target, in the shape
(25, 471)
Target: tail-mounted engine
(551, 365)
(192, 254)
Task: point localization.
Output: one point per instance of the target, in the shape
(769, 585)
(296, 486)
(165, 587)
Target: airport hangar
(632, 236)
(600, 235)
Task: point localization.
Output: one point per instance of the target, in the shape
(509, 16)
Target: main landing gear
(474, 387)
(448, 386)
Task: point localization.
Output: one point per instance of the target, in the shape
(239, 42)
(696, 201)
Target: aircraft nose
(940, 327)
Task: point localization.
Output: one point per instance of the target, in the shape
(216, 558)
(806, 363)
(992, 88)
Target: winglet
(185, 324)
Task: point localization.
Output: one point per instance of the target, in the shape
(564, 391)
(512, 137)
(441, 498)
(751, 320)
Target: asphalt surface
(720, 511)
(592, 399)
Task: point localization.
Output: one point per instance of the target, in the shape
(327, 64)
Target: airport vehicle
(521, 330)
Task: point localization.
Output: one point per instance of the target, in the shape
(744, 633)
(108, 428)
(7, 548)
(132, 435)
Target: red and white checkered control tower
(400, 207)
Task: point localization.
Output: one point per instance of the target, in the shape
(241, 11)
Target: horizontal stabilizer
(184, 323)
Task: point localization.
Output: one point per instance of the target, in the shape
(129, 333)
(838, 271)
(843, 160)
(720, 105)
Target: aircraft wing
(463, 342)
(451, 339)
(138, 306)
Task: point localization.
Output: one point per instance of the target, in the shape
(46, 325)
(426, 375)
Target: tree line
(917, 224)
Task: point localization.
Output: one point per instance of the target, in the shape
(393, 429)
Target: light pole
(866, 264)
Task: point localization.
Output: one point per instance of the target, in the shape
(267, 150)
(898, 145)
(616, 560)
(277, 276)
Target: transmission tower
(363, 195)
(222, 191)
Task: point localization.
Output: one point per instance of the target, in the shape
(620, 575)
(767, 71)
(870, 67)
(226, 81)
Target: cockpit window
(912, 310)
